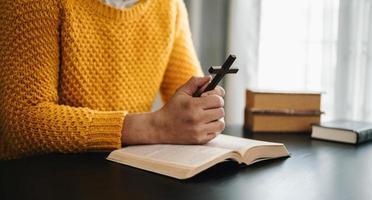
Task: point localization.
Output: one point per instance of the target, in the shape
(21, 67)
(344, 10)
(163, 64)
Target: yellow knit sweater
(70, 70)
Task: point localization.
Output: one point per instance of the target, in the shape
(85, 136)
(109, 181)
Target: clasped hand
(183, 120)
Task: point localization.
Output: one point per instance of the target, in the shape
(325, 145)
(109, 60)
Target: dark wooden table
(315, 170)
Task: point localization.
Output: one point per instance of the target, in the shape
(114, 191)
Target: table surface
(315, 170)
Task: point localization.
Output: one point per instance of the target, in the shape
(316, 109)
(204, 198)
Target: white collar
(120, 4)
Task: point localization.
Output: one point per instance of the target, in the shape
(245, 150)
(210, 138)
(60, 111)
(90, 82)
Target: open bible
(185, 161)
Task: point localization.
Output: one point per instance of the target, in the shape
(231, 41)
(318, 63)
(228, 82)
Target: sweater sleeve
(31, 120)
(183, 62)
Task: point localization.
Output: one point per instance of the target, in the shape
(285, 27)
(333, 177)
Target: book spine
(364, 136)
(286, 112)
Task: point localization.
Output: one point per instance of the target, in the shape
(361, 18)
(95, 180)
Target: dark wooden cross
(220, 73)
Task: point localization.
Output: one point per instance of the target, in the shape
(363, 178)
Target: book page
(184, 161)
(186, 155)
(241, 145)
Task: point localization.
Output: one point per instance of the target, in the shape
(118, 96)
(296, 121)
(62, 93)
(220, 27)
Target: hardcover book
(346, 131)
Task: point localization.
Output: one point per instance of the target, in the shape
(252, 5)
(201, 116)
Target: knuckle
(219, 101)
(221, 125)
(196, 138)
(221, 112)
(220, 91)
(223, 92)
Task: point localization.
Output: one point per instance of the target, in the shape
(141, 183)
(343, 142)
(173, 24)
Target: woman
(81, 75)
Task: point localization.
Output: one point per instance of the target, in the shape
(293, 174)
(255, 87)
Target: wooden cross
(220, 73)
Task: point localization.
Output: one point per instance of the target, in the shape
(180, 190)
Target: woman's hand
(183, 120)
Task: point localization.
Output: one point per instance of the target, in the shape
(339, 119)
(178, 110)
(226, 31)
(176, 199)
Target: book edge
(335, 140)
(148, 165)
(187, 171)
(264, 157)
(284, 92)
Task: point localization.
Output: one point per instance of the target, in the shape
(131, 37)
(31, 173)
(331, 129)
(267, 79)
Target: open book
(185, 161)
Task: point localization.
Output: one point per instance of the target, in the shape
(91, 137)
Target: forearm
(48, 127)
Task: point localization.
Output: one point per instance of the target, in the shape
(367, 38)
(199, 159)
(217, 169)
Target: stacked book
(274, 111)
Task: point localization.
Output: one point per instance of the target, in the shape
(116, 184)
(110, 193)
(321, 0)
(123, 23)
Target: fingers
(212, 129)
(206, 132)
(217, 91)
(193, 84)
(210, 101)
(211, 115)
(215, 126)
(202, 88)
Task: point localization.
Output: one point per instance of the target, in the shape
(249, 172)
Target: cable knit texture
(71, 70)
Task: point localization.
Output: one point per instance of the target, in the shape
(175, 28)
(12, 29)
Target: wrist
(157, 126)
(140, 128)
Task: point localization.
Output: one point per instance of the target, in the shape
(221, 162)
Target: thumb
(194, 84)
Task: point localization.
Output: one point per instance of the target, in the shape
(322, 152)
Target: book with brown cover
(274, 111)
